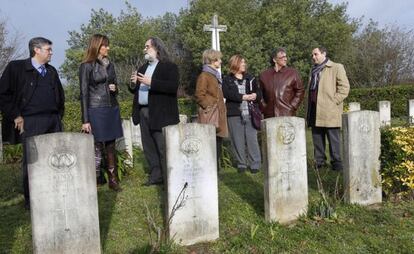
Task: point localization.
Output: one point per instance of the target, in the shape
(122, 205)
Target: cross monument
(215, 28)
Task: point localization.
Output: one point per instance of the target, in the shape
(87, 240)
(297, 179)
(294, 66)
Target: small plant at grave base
(324, 209)
(253, 231)
(162, 243)
(12, 154)
(124, 163)
(397, 161)
(226, 161)
(272, 231)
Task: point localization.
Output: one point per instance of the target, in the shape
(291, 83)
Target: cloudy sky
(54, 18)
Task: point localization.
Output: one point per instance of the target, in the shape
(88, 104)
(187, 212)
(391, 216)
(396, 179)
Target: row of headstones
(384, 108)
(64, 208)
(285, 172)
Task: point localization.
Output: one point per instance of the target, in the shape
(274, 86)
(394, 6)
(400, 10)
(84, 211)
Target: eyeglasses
(282, 57)
(47, 49)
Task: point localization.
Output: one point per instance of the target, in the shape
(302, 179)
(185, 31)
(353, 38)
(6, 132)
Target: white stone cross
(215, 28)
(65, 210)
(287, 173)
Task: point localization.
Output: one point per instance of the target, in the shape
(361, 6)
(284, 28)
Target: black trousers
(36, 125)
(319, 135)
(154, 147)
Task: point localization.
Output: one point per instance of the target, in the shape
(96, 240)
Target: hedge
(397, 95)
(72, 118)
(369, 98)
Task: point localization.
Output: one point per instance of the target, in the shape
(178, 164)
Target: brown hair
(95, 44)
(235, 63)
(211, 55)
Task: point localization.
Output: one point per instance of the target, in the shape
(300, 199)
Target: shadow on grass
(106, 203)
(14, 218)
(142, 250)
(246, 188)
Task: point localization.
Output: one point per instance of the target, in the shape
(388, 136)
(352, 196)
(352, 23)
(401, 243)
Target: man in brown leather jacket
(281, 86)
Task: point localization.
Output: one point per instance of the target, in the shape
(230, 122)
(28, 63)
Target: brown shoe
(113, 180)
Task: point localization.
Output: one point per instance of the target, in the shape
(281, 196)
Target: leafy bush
(397, 160)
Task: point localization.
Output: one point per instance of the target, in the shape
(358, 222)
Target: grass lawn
(388, 228)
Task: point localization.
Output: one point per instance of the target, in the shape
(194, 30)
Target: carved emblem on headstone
(62, 160)
(190, 146)
(363, 126)
(286, 133)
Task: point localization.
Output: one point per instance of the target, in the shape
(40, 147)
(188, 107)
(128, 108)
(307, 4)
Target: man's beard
(149, 57)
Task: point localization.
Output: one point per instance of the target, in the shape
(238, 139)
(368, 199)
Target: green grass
(388, 228)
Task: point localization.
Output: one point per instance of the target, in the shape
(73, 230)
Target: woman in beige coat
(209, 92)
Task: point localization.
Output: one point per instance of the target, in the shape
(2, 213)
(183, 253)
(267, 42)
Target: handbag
(209, 115)
(255, 114)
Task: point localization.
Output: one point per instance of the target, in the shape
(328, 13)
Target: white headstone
(63, 200)
(354, 106)
(125, 143)
(362, 145)
(183, 119)
(284, 157)
(191, 159)
(411, 111)
(136, 135)
(385, 112)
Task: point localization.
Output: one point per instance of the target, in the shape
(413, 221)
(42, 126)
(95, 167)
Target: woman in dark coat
(100, 110)
(240, 89)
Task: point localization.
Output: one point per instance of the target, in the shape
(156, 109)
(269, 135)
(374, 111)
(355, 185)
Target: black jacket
(162, 96)
(232, 95)
(94, 80)
(17, 84)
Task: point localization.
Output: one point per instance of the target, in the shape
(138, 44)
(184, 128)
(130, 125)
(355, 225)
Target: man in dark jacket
(155, 106)
(281, 86)
(31, 100)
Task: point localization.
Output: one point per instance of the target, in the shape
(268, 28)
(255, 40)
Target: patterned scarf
(244, 108)
(314, 82)
(316, 70)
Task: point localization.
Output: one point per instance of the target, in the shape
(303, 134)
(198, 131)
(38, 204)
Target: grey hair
(162, 52)
(37, 42)
(274, 54)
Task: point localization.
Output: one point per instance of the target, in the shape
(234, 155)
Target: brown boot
(113, 179)
(100, 179)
